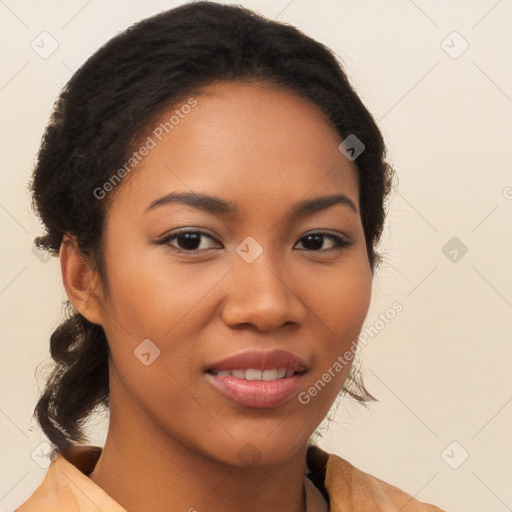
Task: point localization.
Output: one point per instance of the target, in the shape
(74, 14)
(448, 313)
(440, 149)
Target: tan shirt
(338, 487)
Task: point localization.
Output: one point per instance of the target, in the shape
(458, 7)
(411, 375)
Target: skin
(174, 441)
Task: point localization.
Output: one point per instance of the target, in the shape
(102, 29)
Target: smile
(255, 374)
(258, 379)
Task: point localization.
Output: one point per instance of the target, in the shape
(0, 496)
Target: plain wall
(441, 367)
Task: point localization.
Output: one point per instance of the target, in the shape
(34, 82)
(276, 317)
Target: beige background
(441, 368)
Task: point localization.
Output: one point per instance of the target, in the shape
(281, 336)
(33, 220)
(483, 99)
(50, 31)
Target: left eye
(316, 240)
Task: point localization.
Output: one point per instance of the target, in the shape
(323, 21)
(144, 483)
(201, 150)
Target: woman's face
(244, 280)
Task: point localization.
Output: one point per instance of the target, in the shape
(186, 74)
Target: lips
(258, 379)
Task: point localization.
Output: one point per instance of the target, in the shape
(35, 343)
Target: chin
(258, 451)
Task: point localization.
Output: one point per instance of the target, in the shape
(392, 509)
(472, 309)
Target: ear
(80, 281)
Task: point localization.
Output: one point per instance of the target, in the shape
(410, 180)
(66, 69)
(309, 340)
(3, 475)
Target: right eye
(187, 241)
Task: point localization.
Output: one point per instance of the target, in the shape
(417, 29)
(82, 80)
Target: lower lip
(257, 393)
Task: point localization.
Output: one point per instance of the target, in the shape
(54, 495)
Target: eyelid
(321, 231)
(191, 229)
(167, 238)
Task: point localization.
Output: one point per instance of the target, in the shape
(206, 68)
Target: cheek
(155, 298)
(340, 304)
(340, 299)
(148, 328)
(341, 308)
(153, 291)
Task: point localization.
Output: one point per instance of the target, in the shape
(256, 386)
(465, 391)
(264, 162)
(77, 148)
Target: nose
(262, 297)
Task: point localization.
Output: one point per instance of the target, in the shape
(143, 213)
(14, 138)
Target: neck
(143, 468)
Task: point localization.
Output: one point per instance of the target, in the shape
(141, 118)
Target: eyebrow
(214, 204)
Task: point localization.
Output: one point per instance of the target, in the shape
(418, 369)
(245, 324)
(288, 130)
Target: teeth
(254, 374)
(269, 374)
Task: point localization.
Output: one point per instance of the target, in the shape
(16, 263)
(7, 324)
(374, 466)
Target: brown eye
(315, 241)
(188, 241)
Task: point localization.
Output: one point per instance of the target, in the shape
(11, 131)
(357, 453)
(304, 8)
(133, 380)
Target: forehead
(246, 142)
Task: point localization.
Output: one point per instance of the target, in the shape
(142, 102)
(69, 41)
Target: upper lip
(260, 361)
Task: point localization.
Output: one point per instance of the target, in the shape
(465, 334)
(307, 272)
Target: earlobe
(77, 276)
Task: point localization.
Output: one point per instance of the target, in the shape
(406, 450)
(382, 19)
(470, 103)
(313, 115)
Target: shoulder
(349, 489)
(67, 488)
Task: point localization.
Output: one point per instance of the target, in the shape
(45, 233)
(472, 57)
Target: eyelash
(340, 243)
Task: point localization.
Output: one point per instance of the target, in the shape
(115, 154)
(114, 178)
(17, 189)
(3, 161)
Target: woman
(215, 191)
